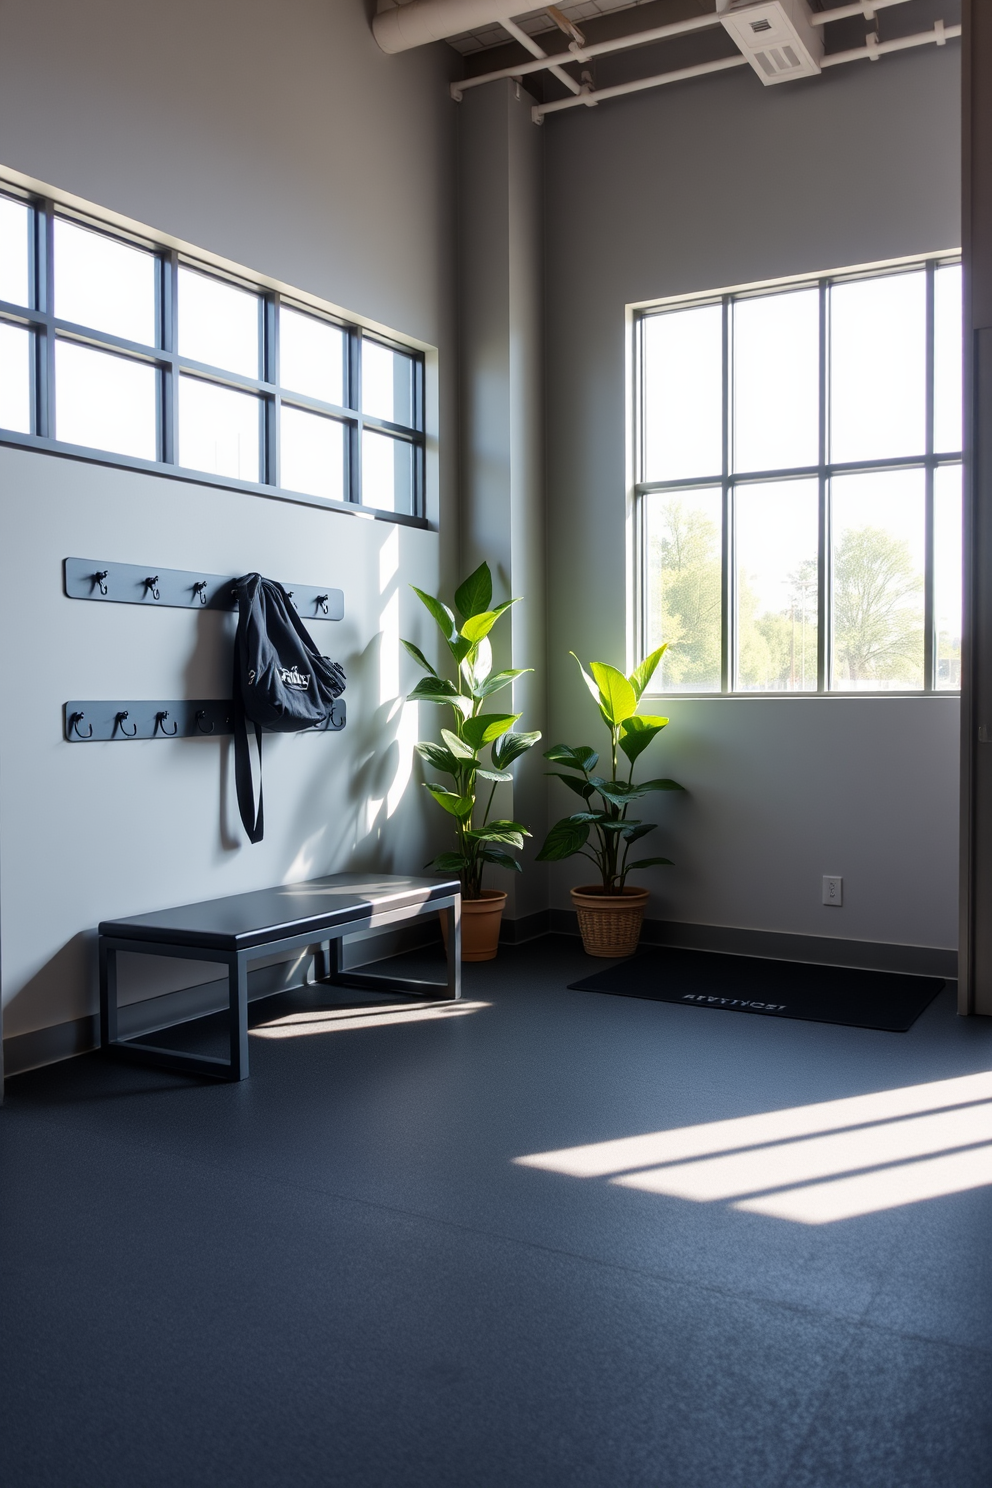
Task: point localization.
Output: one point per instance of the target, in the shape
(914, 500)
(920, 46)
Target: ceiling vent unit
(776, 36)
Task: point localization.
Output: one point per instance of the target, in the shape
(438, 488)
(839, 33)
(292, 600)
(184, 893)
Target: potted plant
(461, 755)
(610, 912)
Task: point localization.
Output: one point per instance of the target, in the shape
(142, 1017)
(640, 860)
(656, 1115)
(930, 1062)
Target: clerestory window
(116, 348)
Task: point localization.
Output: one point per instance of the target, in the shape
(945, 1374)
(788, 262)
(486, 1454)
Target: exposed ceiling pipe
(530, 45)
(643, 38)
(939, 35)
(422, 21)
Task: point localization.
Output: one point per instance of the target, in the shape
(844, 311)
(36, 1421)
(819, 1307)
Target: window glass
(947, 576)
(878, 368)
(311, 454)
(104, 283)
(218, 323)
(219, 429)
(311, 356)
(387, 473)
(15, 378)
(877, 523)
(387, 383)
(683, 394)
(104, 401)
(776, 381)
(947, 359)
(683, 586)
(777, 529)
(14, 240)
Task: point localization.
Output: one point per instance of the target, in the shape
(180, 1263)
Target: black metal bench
(239, 929)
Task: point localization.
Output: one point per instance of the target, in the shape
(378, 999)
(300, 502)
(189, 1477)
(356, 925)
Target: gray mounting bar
(188, 718)
(180, 588)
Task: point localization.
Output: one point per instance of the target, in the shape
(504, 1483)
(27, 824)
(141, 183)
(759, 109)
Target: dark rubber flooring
(335, 1276)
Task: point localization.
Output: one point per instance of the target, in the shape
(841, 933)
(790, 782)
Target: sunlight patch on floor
(877, 1151)
(344, 1020)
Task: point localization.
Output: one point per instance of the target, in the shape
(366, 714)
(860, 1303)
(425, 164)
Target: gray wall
(286, 141)
(693, 187)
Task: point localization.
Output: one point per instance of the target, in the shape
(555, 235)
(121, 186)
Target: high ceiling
(536, 22)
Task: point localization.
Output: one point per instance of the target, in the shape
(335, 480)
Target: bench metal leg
(329, 967)
(237, 990)
(108, 995)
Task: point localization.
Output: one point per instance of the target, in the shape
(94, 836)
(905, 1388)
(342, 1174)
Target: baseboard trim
(526, 927)
(776, 945)
(42, 1046)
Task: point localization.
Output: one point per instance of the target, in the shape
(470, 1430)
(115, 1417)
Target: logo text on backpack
(294, 678)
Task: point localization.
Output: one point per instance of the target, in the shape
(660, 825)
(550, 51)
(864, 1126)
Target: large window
(799, 486)
(116, 348)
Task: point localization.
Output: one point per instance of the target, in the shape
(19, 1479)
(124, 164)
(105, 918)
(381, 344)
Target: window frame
(928, 460)
(47, 329)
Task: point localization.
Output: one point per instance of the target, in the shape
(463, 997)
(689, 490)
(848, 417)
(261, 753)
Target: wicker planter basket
(610, 924)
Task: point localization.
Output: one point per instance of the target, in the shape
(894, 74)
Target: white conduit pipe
(938, 35)
(422, 21)
(530, 45)
(592, 49)
(642, 38)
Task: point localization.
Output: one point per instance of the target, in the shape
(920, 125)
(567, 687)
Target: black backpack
(281, 682)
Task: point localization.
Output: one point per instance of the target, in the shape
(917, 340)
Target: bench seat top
(263, 916)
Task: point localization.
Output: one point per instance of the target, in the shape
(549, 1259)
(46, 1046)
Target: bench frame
(328, 953)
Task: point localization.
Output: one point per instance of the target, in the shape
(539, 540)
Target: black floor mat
(777, 989)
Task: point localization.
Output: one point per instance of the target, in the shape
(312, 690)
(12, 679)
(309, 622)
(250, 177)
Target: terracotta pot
(610, 924)
(481, 919)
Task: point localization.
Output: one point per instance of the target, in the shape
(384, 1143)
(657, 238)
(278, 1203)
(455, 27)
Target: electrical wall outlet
(833, 890)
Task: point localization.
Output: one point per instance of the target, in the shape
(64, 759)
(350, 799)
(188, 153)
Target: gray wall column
(502, 506)
(975, 964)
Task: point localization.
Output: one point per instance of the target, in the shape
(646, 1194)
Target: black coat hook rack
(180, 588)
(188, 718)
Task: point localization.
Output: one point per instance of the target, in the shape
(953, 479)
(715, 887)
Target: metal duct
(422, 21)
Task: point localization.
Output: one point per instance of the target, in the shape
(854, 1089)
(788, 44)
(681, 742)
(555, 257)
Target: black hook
(75, 719)
(152, 584)
(119, 723)
(289, 596)
(202, 713)
(322, 601)
(160, 723)
(99, 576)
(200, 588)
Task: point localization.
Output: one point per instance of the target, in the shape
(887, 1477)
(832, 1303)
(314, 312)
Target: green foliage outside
(878, 614)
(602, 831)
(461, 755)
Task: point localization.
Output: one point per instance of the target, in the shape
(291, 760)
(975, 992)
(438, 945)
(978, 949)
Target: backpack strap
(252, 818)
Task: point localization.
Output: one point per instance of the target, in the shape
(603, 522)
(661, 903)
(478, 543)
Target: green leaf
(635, 830)
(459, 648)
(500, 776)
(458, 747)
(593, 689)
(419, 657)
(476, 667)
(657, 785)
(460, 806)
(641, 676)
(565, 839)
(595, 818)
(486, 727)
(475, 594)
(510, 833)
(580, 787)
(440, 758)
(582, 758)
(448, 862)
(430, 688)
(638, 733)
(481, 624)
(649, 863)
(499, 859)
(499, 680)
(617, 698)
(617, 792)
(511, 746)
(445, 619)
